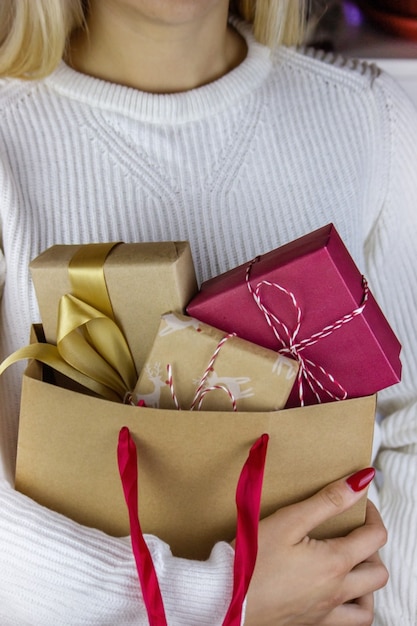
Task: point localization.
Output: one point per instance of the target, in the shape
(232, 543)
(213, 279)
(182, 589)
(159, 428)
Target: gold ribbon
(91, 349)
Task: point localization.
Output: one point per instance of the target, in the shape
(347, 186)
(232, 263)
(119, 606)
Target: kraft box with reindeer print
(192, 365)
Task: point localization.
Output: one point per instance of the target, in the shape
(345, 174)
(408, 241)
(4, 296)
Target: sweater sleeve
(2, 272)
(392, 270)
(55, 572)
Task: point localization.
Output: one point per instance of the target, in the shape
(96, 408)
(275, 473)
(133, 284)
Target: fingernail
(360, 480)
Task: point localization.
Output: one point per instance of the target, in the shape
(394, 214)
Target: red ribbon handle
(248, 501)
(248, 504)
(128, 470)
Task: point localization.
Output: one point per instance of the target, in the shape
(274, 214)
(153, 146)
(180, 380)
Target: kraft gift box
(189, 461)
(210, 368)
(143, 281)
(311, 291)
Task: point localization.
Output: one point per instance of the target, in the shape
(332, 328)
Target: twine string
(201, 390)
(290, 346)
(206, 390)
(170, 382)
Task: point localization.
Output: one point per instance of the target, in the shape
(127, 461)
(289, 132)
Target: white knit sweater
(274, 149)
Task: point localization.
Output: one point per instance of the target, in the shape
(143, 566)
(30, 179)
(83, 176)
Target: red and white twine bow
(287, 338)
(201, 390)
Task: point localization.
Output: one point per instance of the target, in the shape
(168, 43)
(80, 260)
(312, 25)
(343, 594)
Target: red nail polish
(360, 480)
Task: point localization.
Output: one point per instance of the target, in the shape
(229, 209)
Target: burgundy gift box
(308, 299)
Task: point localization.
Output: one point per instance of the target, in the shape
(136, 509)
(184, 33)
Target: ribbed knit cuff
(397, 602)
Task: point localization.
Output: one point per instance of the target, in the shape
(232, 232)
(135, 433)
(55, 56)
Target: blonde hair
(275, 22)
(34, 33)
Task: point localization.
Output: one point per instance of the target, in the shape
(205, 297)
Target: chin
(172, 11)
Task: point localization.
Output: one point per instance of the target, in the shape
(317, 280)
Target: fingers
(303, 517)
(366, 603)
(365, 541)
(357, 595)
(315, 581)
(364, 579)
(352, 614)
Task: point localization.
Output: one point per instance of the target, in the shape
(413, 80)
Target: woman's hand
(300, 581)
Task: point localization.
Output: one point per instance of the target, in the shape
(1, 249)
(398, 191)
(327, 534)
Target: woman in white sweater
(167, 120)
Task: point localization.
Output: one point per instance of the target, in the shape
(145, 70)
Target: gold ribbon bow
(91, 349)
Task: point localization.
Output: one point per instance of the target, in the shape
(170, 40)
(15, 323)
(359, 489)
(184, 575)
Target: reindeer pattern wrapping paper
(192, 365)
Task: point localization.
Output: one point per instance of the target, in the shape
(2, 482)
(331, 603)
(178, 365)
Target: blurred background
(383, 31)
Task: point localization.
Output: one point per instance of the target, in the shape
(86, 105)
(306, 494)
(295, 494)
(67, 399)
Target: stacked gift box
(291, 344)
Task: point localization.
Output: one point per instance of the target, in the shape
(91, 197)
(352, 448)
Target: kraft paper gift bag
(188, 461)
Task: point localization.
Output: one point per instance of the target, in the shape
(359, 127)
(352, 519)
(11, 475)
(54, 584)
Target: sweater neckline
(174, 108)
